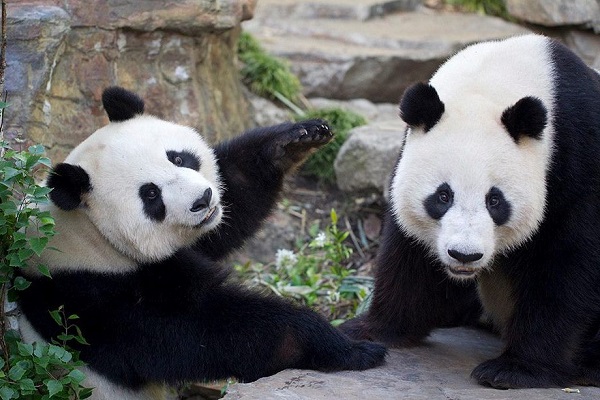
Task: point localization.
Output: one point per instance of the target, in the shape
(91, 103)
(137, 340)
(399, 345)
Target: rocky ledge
(438, 370)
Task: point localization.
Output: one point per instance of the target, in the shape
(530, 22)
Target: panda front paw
(364, 355)
(299, 141)
(507, 372)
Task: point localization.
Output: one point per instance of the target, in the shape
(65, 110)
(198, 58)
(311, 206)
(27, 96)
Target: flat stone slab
(336, 9)
(375, 59)
(439, 370)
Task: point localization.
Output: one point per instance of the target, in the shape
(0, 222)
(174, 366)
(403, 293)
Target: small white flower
(285, 258)
(320, 240)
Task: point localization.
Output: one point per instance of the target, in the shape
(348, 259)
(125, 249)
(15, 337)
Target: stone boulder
(360, 10)
(555, 12)
(179, 56)
(375, 59)
(367, 158)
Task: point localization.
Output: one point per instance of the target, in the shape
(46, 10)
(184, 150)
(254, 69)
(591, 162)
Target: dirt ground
(305, 202)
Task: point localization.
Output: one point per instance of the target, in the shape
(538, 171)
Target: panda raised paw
(298, 141)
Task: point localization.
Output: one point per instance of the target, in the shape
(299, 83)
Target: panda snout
(464, 258)
(203, 202)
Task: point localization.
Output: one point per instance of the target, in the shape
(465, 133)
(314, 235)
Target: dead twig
(353, 237)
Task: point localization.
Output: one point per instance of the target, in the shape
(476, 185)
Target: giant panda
(495, 206)
(145, 212)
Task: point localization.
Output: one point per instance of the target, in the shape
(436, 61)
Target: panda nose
(202, 202)
(464, 258)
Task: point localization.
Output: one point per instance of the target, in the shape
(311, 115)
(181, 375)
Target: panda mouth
(462, 270)
(211, 214)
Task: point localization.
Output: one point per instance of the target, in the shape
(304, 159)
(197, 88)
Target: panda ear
(121, 104)
(421, 106)
(527, 117)
(68, 182)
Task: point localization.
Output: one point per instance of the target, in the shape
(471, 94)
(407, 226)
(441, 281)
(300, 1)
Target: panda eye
(152, 194)
(150, 191)
(184, 159)
(444, 197)
(439, 202)
(493, 201)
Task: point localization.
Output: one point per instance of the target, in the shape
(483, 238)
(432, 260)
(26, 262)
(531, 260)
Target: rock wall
(574, 22)
(178, 55)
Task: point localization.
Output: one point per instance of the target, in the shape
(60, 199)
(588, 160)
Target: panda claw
(300, 141)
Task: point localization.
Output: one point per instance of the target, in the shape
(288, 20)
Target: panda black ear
(527, 117)
(121, 104)
(68, 182)
(421, 106)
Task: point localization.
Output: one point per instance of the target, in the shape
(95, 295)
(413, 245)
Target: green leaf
(10, 173)
(334, 217)
(76, 375)
(25, 254)
(41, 191)
(7, 393)
(25, 349)
(45, 162)
(85, 393)
(16, 372)
(55, 314)
(21, 283)
(54, 387)
(43, 268)
(27, 385)
(39, 349)
(36, 149)
(38, 244)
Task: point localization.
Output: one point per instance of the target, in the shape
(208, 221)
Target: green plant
(316, 273)
(40, 370)
(266, 75)
(320, 164)
(489, 7)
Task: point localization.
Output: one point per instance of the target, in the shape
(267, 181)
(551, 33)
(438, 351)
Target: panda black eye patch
(184, 159)
(154, 207)
(439, 202)
(497, 205)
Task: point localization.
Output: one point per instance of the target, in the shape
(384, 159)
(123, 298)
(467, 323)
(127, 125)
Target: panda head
(470, 183)
(148, 186)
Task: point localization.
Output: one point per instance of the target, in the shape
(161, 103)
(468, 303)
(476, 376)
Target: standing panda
(138, 209)
(495, 202)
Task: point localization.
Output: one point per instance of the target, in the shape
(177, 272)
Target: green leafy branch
(39, 370)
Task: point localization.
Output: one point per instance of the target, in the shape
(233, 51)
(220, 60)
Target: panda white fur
(138, 209)
(495, 201)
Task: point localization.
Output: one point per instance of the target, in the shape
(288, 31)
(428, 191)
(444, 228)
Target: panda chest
(497, 297)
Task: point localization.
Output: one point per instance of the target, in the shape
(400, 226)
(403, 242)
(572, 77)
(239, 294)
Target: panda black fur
(495, 201)
(137, 207)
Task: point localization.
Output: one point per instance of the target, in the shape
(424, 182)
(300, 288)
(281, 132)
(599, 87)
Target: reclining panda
(495, 202)
(138, 208)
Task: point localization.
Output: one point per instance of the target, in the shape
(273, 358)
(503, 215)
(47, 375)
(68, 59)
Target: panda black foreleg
(252, 168)
(547, 333)
(412, 295)
(534, 357)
